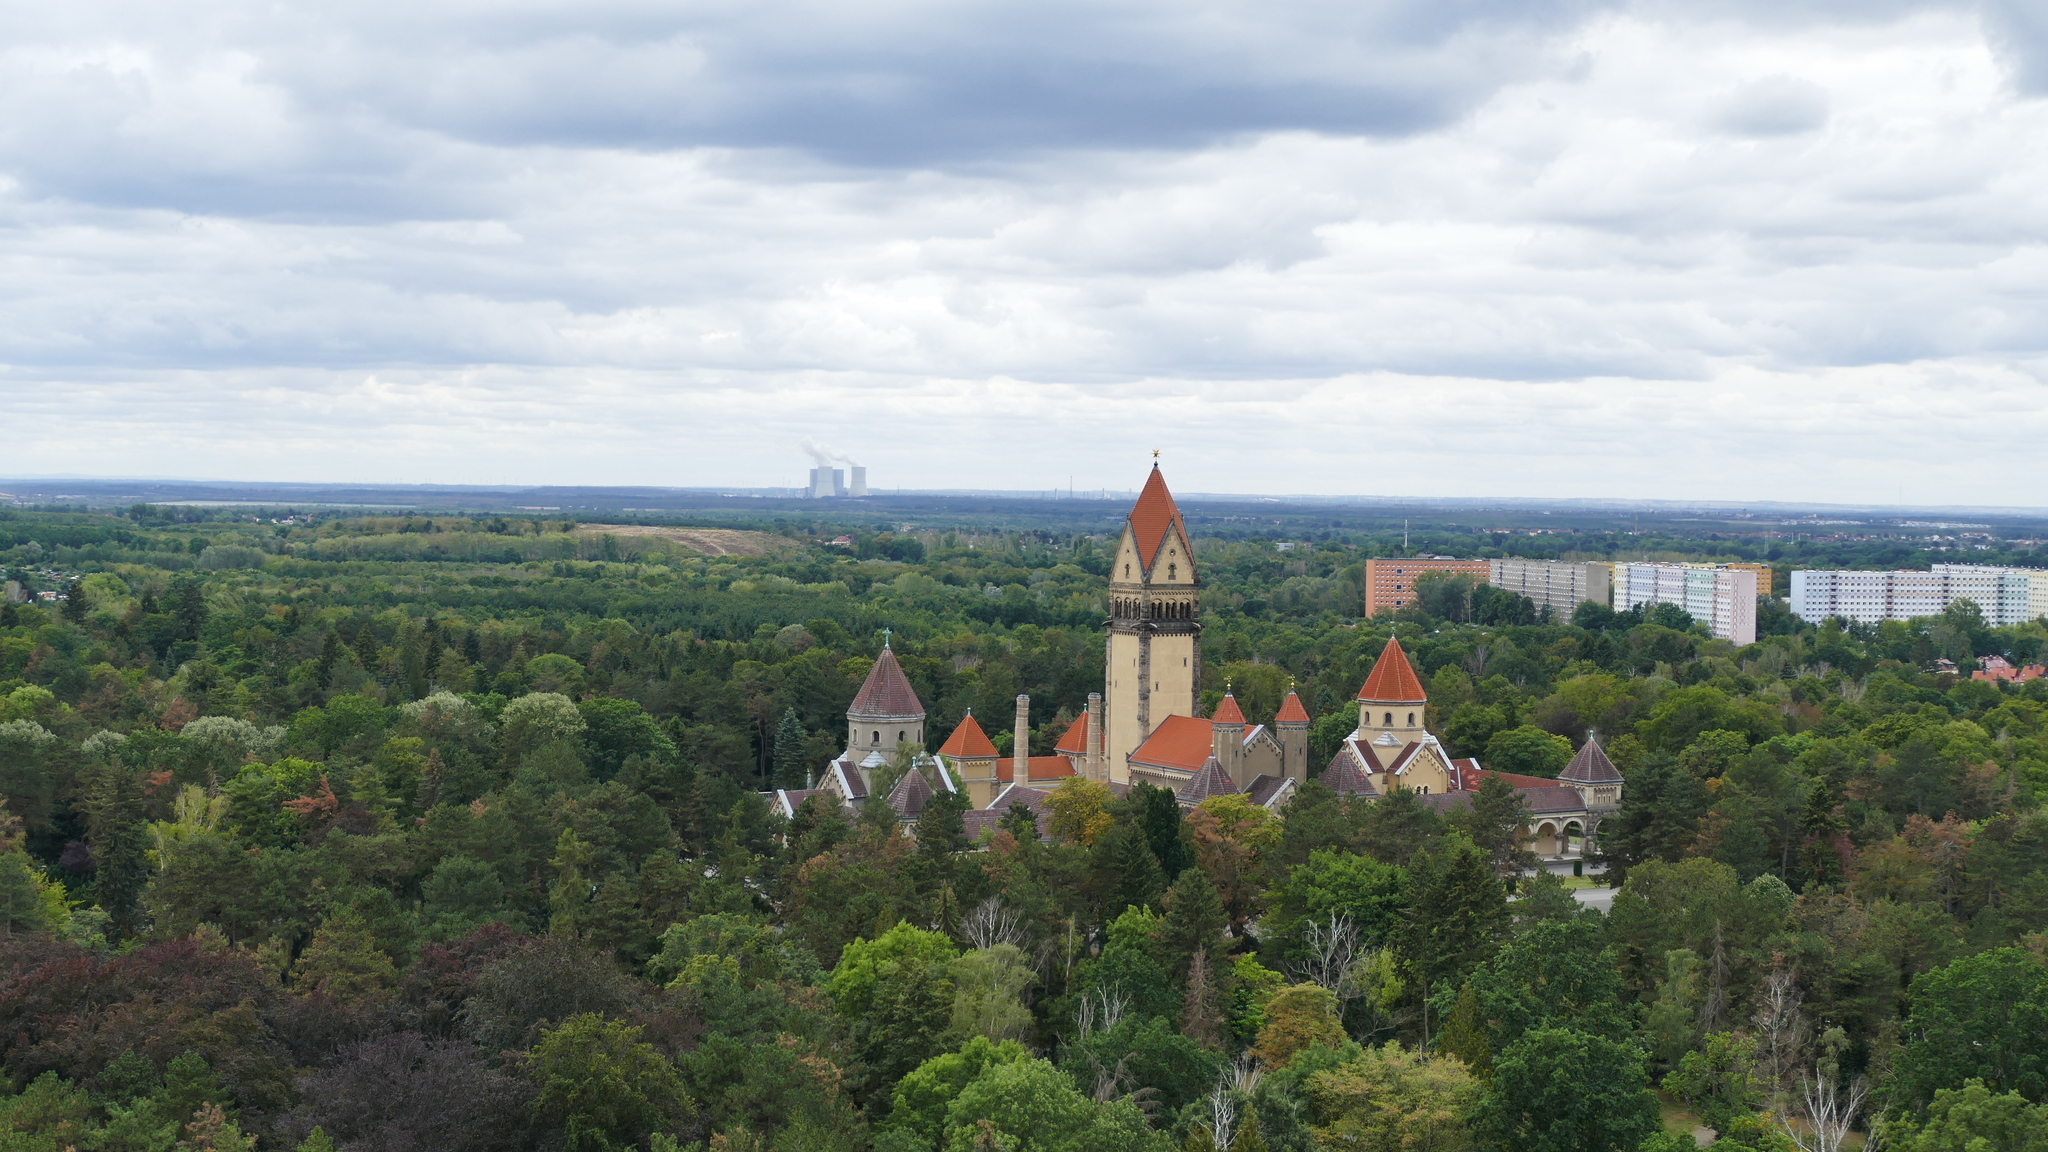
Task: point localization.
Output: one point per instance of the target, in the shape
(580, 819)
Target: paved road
(1601, 898)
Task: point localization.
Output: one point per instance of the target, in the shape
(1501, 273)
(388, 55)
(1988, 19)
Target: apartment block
(1390, 583)
(1764, 575)
(1717, 595)
(1559, 585)
(2007, 596)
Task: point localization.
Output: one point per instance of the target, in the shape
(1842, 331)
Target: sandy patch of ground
(710, 541)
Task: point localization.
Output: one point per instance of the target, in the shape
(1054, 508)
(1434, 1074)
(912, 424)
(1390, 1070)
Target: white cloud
(1564, 250)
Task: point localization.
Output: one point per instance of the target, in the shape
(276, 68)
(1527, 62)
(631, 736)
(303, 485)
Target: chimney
(1020, 749)
(1097, 770)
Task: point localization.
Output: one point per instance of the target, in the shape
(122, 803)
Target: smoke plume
(825, 457)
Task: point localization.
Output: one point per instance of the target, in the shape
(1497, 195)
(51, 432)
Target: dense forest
(446, 832)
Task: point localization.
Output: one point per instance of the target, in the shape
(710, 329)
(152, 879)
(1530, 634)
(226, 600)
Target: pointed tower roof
(1153, 516)
(910, 794)
(887, 694)
(1393, 679)
(1212, 780)
(1076, 739)
(968, 741)
(1343, 777)
(1291, 711)
(1227, 711)
(1590, 766)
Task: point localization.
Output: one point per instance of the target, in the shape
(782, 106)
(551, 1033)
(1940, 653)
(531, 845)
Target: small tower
(1291, 726)
(1226, 733)
(1599, 784)
(1390, 703)
(970, 755)
(1153, 663)
(886, 715)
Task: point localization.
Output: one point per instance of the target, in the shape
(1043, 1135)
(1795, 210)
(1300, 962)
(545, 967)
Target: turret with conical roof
(886, 713)
(969, 754)
(1152, 667)
(1390, 705)
(1226, 734)
(1594, 775)
(1291, 726)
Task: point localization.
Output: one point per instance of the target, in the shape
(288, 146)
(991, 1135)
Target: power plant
(829, 481)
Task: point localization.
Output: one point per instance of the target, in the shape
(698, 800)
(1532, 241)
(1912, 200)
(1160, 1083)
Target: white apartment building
(2007, 595)
(1559, 585)
(1720, 597)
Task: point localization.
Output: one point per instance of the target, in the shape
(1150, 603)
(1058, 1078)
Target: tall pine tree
(789, 751)
(1459, 913)
(112, 801)
(1165, 832)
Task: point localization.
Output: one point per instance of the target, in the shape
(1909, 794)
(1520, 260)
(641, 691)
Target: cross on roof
(885, 637)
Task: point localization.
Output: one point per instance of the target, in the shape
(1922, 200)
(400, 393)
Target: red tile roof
(1227, 711)
(1393, 679)
(887, 691)
(1291, 712)
(1048, 767)
(968, 740)
(1076, 739)
(1152, 516)
(1470, 775)
(1181, 742)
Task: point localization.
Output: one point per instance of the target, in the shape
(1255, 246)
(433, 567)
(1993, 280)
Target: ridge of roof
(1291, 711)
(1179, 742)
(1076, 739)
(968, 741)
(1591, 766)
(887, 691)
(1227, 711)
(1393, 679)
(1151, 517)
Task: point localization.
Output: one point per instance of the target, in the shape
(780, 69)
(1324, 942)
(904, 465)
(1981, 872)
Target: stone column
(1096, 768)
(1020, 750)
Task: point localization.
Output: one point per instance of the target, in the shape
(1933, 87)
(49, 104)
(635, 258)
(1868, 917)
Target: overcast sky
(1714, 250)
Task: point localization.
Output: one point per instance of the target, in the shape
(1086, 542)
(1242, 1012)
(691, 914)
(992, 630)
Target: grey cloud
(334, 110)
(1775, 106)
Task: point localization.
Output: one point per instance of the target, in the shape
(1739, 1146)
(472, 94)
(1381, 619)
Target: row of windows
(1125, 609)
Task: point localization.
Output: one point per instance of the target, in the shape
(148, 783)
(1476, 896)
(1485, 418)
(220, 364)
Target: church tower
(1153, 668)
(1390, 705)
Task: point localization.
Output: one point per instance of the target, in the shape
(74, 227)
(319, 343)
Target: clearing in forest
(710, 541)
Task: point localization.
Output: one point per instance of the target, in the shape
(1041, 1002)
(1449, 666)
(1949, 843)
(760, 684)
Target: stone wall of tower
(1153, 664)
(1403, 718)
(883, 734)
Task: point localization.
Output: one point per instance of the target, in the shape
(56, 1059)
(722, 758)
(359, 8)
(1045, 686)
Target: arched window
(875, 740)
(1411, 719)
(899, 737)
(1127, 571)
(1172, 571)
(1389, 721)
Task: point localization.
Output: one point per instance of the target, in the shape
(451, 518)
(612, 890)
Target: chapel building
(1145, 726)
